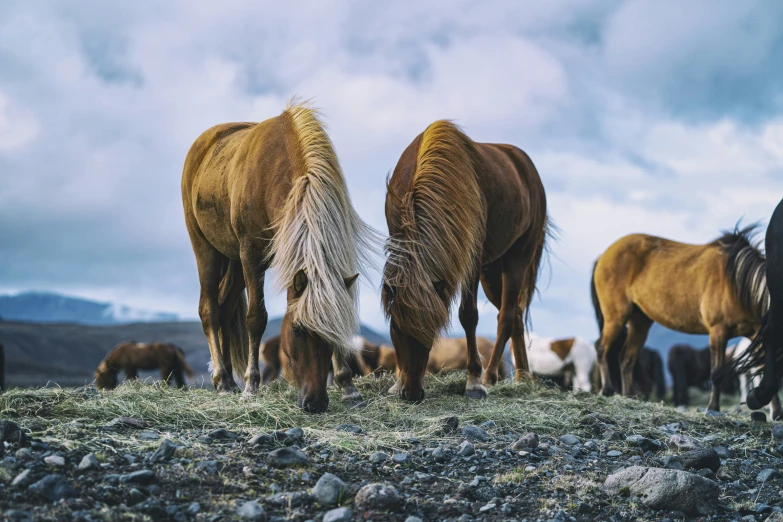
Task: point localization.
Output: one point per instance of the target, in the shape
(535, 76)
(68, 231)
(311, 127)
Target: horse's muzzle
(409, 397)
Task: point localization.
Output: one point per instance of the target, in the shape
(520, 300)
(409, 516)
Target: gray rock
(209, 466)
(707, 473)
(143, 477)
(756, 416)
(466, 449)
(449, 424)
(438, 454)
(644, 443)
(23, 479)
(342, 514)
(148, 435)
(777, 432)
(723, 452)
(89, 461)
(17, 515)
(55, 461)
(378, 497)
(767, 474)
(673, 462)
(222, 434)
(164, 452)
(684, 442)
(329, 489)
(474, 433)
(700, 459)
(570, 440)
(529, 441)
(260, 440)
(286, 457)
(775, 517)
(194, 508)
(292, 499)
(136, 496)
(614, 453)
(53, 487)
(379, 457)
(24, 454)
(129, 422)
(665, 489)
(401, 458)
(251, 511)
(350, 428)
(413, 519)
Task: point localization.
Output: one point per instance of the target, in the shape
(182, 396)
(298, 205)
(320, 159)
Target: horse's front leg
(343, 376)
(468, 318)
(131, 372)
(718, 340)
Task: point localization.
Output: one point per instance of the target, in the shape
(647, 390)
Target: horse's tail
(748, 362)
(239, 341)
(180, 355)
(531, 276)
(599, 316)
(746, 268)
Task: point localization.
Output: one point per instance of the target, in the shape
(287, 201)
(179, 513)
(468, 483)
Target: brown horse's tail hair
(239, 341)
(183, 363)
(599, 316)
(530, 281)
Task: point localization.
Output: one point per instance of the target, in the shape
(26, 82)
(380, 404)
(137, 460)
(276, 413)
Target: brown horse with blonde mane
(272, 194)
(458, 212)
(717, 289)
(130, 357)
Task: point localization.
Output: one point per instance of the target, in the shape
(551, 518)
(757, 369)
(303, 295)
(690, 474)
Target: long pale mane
(320, 232)
(440, 233)
(746, 266)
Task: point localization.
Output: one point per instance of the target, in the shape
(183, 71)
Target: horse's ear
(349, 281)
(440, 287)
(300, 282)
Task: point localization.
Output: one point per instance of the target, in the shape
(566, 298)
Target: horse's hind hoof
(478, 392)
(755, 399)
(607, 391)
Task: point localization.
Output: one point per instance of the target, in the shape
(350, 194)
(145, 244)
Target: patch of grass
(387, 422)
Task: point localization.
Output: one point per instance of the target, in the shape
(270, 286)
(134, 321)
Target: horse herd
(272, 195)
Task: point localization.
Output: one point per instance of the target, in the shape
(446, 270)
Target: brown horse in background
(459, 212)
(272, 194)
(717, 289)
(130, 357)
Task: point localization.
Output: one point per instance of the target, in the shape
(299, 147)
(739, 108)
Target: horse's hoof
(394, 390)
(490, 380)
(755, 399)
(478, 392)
(607, 391)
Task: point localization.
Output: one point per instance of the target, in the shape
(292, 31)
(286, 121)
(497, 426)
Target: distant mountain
(47, 307)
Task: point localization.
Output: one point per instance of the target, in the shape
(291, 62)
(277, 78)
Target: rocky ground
(529, 452)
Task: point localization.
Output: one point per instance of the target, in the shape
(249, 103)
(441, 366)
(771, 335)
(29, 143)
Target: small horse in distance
(689, 367)
(648, 376)
(716, 288)
(460, 212)
(764, 356)
(568, 362)
(272, 194)
(130, 357)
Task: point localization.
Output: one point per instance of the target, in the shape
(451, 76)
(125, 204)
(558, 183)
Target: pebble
(767, 474)
(413, 519)
(777, 432)
(569, 439)
(684, 442)
(136, 496)
(17, 515)
(644, 443)
(342, 514)
(474, 433)
(707, 473)
(194, 508)
(350, 428)
(23, 479)
(89, 461)
(53, 487)
(24, 454)
(329, 489)
(488, 507)
(439, 454)
(209, 466)
(379, 457)
(143, 477)
(401, 458)
(614, 453)
(377, 497)
(723, 452)
(286, 457)
(466, 449)
(251, 511)
(55, 461)
(488, 424)
(530, 468)
(700, 458)
(449, 424)
(164, 452)
(148, 435)
(673, 462)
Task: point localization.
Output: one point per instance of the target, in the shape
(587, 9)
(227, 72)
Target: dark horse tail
(746, 267)
(599, 316)
(180, 355)
(239, 341)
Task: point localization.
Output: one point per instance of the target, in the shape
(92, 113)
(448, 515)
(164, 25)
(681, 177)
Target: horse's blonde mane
(440, 234)
(319, 232)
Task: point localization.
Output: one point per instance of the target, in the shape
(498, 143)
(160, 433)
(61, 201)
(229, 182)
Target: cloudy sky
(658, 116)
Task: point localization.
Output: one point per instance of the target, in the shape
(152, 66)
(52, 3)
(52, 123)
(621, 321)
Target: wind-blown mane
(319, 232)
(440, 233)
(746, 265)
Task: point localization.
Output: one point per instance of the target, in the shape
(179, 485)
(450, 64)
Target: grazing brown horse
(459, 212)
(272, 194)
(130, 357)
(275, 360)
(716, 289)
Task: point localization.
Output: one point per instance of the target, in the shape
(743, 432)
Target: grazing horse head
(105, 377)
(435, 212)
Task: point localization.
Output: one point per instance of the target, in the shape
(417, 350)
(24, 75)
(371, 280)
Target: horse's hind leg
(638, 327)
(343, 377)
(254, 266)
(468, 318)
(718, 340)
(612, 329)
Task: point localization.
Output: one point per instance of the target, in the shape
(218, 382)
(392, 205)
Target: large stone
(665, 489)
(286, 457)
(329, 489)
(90, 461)
(251, 511)
(378, 497)
(684, 442)
(777, 432)
(143, 477)
(767, 474)
(23, 479)
(342, 514)
(700, 459)
(475, 433)
(529, 441)
(53, 487)
(164, 452)
(466, 449)
(55, 461)
(644, 443)
(570, 439)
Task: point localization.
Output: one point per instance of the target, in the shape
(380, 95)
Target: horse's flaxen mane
(319, 232)
(746, 265)
(440, 235)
